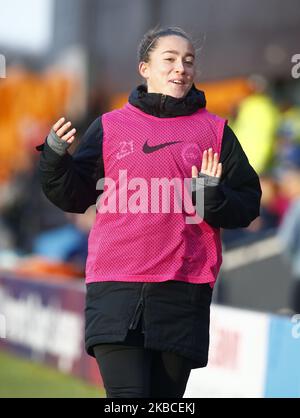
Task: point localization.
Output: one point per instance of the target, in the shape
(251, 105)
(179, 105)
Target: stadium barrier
(45, 323)
(252, 355)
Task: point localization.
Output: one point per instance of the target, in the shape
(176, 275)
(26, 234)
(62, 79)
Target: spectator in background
(288, 133)
(289, 127)
(273, 207)
(256, 124)
(289, 232)
(273, 203)
(25, 198)
(69, 242)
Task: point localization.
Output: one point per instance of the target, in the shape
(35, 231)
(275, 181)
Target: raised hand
(64, 131)
(210, 165)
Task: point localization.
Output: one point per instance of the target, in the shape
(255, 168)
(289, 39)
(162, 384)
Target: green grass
(24, 379)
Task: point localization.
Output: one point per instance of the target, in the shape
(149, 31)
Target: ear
(144, 69)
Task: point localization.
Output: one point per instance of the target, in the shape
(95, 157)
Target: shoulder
(115, 112)
(118, 117)
(213, 116)
(214, 122)
(93, 133)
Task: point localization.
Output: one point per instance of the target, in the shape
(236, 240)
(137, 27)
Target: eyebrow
(189, 54)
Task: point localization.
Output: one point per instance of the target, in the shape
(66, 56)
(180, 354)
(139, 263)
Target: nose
(179, 67)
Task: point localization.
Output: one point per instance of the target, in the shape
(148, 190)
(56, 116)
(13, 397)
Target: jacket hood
(163, 106)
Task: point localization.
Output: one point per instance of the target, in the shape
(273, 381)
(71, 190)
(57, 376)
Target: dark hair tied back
(149, 40)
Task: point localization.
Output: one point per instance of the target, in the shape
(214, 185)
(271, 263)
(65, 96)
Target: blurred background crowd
(77, 58)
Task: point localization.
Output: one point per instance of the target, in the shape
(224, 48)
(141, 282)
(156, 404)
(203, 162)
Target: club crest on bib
(191, 154)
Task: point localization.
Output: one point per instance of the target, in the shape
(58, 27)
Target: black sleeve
(70, 181)
(235, 202)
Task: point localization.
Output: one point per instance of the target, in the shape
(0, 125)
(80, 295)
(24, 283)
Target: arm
(234, 201)
(70, 181)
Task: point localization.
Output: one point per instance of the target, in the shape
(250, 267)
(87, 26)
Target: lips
(177, 82)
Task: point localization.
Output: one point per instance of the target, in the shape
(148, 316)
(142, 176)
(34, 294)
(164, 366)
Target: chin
(179, 94)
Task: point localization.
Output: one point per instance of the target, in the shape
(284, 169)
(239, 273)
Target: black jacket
(70, 181)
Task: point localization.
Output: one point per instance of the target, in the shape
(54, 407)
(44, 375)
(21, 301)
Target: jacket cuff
(51, 158)
(205, 181)
(57, 144)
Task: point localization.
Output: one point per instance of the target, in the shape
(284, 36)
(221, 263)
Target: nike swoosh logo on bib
(148, 149)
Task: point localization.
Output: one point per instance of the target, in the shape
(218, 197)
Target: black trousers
(135, 372)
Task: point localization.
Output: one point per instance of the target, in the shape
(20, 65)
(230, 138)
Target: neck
(164, 106)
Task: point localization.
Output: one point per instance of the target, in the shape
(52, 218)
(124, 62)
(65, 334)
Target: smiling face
(171, 67)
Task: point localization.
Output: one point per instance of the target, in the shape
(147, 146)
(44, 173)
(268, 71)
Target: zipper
(162, 101)
(138, 309)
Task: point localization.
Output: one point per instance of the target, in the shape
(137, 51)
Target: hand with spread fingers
(64, 131)
(210, 165)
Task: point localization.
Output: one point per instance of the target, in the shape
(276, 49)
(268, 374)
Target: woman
(150, 273)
